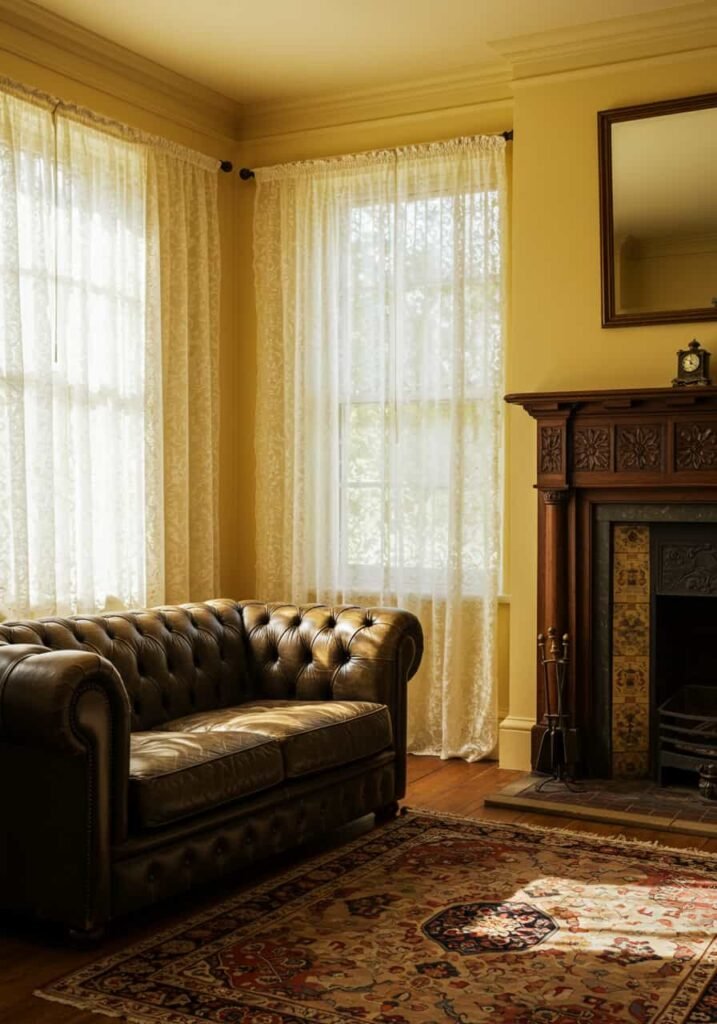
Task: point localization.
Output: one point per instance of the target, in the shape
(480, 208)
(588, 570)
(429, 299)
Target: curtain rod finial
(245, 174)
(226, 166)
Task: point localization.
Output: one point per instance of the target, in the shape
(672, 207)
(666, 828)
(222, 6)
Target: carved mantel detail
(696, 446)
(551, 450)
(639, 447)
(591, 449)
(552, 496)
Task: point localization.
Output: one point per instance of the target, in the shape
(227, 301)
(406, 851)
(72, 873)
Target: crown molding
(613, 41)
(32, 33)
(42, 37)
(486, 83)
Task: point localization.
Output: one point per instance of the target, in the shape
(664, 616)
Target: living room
(268, 88)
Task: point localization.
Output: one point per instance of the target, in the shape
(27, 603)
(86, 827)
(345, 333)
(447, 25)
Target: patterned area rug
(436, 919)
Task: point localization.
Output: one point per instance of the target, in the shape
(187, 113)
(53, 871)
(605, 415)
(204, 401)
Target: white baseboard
(515, 742)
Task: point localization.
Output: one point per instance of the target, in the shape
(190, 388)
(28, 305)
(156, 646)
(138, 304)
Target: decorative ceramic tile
(631, 630)
(631, 537)
(631, 679)
(630, 764)
(631, 576)
(631, 650)
(630, 726)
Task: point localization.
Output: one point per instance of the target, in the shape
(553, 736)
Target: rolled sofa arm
(64, 759)
(317, 652)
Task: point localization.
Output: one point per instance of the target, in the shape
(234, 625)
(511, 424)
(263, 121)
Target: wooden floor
(29, 960)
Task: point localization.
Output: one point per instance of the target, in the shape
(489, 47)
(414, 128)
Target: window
(417, 388)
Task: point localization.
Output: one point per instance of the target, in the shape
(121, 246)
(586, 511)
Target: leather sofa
(145, 753)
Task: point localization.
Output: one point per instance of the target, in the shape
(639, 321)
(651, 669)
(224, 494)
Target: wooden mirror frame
(606, 119)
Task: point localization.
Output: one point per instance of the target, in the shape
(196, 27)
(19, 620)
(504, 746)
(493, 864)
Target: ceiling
(257, 51)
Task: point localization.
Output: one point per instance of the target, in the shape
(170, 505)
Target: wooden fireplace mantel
(624, 437)
(645, 445)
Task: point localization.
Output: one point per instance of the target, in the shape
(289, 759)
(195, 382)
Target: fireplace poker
(555, 736)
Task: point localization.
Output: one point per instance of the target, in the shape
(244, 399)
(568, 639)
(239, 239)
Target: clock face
(690, 362)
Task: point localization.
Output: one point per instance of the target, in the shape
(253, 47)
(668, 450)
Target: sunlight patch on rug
(436, 919)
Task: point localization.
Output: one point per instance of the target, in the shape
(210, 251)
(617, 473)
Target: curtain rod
(246, 173)
(56, 105)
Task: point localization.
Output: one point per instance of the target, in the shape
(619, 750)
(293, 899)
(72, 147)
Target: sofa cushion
(313, 735)
(173, 775)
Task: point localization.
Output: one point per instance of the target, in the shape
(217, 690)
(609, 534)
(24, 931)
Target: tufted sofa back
(316, 652)
(173, 661)
(195, 657)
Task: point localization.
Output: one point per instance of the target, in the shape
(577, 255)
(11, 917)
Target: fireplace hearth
(627, 566)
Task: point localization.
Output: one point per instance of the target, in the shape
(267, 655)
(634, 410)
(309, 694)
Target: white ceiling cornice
(614, 41)
(518, 59)
(45, 38)
(485, 84)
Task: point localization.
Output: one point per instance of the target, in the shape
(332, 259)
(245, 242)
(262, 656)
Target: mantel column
(554, 548)
(553, 544)
(553, 604)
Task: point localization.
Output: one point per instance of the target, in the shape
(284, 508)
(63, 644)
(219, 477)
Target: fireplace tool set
(554, 757)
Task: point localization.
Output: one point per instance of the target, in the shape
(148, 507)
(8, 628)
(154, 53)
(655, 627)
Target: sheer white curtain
(380, 295)
(108, 364)
(184, 311)
(75, 391)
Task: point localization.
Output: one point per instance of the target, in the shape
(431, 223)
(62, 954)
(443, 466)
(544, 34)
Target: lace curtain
(85, 341)
(380, 295)
(185, 307)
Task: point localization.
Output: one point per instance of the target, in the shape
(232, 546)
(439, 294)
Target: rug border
(619, 843)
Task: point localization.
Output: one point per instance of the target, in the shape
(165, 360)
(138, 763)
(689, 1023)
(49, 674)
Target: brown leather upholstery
(173, 661)
(312, 735)
(71, 690)
(64, 753)
(176, 774)
(160, 863)
(312, 652)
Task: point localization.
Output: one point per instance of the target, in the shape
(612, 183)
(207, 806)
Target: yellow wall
(236, 452)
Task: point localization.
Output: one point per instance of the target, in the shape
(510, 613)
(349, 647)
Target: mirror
(658, 212)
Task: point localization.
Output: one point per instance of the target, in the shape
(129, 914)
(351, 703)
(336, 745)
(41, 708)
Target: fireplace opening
(684, 651)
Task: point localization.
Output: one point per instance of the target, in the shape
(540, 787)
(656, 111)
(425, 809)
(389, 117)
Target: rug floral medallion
(435, 919)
